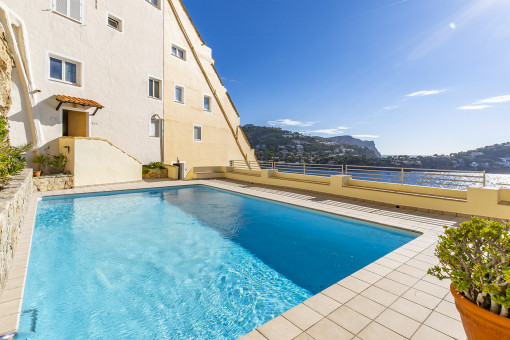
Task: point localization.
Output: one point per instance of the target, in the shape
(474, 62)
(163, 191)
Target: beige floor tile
(419, 264)
(411, 309)
(431, 289)
(375, 331)
(389, 263)
(303, 336)
(398, 323)
(378, 269)
(302, 316)
(422, 298)
(367, 307)
(279, 329)
(339, 293)
(427, 333)
(391, 286)
(402, 278)
(379, 295)
(10, 307)
(354, 284)
(448, 308)
(367, 276)
(446, 325)
(432, 261)
(11, 294)
(322, 304)
(349, 319)
(8, 324)
(253, 335)
(413, 271)
(328, 330)
(442, 283)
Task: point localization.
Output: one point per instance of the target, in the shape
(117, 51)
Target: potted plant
(476, 257)
(41, 160)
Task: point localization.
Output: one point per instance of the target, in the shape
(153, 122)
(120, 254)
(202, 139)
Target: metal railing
(414, 176)
(325, 170)
(454, 179)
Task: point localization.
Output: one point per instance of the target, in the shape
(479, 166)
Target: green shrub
(476, 257)
(154, 165)
(11, 157)
(41, 160)
(58, 162)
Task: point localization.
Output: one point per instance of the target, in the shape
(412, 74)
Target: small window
(179, 94)
(64, 70)
(197, 133)
(178, 52)
(154, 2)
(114, 22)
(154, 128)
(69, 8)
(154, 88)
(207, 104)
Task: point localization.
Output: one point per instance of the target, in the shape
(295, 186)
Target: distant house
(299, 148)
(473, 165)
(476, 153)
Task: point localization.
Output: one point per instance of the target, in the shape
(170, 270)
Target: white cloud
(365, 136)
(494, 100)
(473, 107)
(425, 93)
(389, 108)
(289, 122)
(334, 131)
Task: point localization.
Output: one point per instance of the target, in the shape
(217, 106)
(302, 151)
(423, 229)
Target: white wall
(116, 66)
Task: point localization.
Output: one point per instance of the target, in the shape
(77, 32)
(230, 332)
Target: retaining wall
(14, 200)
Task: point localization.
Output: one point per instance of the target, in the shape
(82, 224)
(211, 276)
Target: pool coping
(391, 298)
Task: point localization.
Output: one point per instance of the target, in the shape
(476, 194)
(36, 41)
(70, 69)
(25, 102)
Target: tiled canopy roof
(75, 100)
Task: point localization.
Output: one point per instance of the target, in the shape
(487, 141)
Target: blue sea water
(183, 263)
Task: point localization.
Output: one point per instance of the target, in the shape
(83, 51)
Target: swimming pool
(183, 263)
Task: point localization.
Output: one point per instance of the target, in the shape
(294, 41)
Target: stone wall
(14, 199)
(156, 173)
(5, 75)
(50, 183)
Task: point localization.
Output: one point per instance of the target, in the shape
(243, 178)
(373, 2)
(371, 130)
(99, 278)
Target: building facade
(137, 75)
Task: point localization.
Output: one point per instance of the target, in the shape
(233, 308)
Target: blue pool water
(183, 263)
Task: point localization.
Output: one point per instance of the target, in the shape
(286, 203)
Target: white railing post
(484, 178)
(402, 179)
(304, 168)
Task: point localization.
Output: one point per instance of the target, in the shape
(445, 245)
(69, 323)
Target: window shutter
(74, 9)
(60, 6)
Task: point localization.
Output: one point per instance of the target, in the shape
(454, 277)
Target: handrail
(425, 177)
(211, 87)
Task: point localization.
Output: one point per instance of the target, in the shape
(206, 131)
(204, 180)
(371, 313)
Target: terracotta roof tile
(75, 100)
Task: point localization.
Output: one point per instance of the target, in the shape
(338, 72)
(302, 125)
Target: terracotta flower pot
(480, 324)
(36, 173)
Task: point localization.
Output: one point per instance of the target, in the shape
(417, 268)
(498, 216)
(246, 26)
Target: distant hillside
(349, 140)
(271, 143)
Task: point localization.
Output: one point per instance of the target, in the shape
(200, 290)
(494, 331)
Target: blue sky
(415, 76)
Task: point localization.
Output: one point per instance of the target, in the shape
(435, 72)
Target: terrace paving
(391, 298)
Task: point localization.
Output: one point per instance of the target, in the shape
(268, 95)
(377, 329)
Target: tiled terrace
(392, 298)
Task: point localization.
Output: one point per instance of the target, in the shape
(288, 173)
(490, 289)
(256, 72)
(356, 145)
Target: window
(154, 2)
(179, 94)
(64, 70)
(154, 88)
(197, 133)
(69, 8)
(114, 22)
(154, 127)
(178, 52)
(207, 103)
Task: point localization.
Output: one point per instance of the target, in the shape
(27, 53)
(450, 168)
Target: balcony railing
(454, 179)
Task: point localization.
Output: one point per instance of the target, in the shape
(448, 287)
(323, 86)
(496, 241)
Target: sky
(418, 77)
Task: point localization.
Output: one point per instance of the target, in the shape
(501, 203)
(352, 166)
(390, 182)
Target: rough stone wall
(5, 75)
(50, 183)
(14, 199)
(156, 173)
